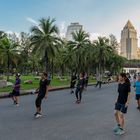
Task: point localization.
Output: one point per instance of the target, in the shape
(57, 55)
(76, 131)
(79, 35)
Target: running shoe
(35, 114)
(120, 132)
(115, 129)
(76, 102)
(38, 115)
(17, 105)
(79, 102)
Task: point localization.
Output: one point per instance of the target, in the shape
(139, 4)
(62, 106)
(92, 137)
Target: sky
(98, 17)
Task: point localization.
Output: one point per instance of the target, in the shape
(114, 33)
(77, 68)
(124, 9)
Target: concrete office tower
(129, 42)
(73, 27)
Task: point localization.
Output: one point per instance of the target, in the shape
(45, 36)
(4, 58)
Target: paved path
(64, 120)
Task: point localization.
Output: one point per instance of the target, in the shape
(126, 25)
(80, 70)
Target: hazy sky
(99, 17)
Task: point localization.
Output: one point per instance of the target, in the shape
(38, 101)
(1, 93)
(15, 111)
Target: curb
(30, 92)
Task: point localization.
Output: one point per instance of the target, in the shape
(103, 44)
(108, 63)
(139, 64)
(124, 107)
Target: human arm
(129, 96)
(46, 94)
(128, 99)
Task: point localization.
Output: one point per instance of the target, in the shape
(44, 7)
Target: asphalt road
(62, 119)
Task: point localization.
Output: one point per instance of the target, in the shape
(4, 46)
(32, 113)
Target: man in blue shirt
(137, 89)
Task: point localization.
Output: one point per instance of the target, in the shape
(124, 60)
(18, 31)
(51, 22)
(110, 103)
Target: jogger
(80, 88)
(42, 93)
(16, 90)
(121, 104)
(99, 80)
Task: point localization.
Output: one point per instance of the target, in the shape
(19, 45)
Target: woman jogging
(80, 88)
(16, 90)
(122, 103)
(137, 89)
(42, 93)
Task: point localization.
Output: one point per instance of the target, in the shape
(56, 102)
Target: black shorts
(15, 93)
(137, 96)
(121, 107)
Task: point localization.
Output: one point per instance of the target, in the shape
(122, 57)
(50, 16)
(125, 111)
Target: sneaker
(120, 132)
(35, 114)
(17, 105)
(76, 102)
(38, 115)
(115, 129)
(79, 102)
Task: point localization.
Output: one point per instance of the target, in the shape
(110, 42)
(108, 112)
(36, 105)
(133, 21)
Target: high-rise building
(73, 27)
(129, 42)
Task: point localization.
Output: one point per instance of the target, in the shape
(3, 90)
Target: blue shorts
(121, 107)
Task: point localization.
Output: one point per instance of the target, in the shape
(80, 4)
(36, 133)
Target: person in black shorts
(73, 82)
(80, 88)
(121, 104)
(42, 93)
(16, 90)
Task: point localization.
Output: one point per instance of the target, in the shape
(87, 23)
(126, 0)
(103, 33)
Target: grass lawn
(55, 82)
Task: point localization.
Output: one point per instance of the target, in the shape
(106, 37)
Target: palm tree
(115, 63)
(9, 53)
(44, 39)
(2, 34)
(25, 50)
(79, 45)
(102, 50)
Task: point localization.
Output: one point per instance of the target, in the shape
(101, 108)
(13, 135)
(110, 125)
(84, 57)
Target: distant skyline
(98, 17)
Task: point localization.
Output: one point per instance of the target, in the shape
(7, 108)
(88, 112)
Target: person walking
(99, 80)
(122, 103)
(16, 90)
(137, 90)
(73, 82)
(42, 93)
(80, 88)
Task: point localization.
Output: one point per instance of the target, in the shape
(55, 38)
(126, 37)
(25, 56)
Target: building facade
(73, 27)
(129, 42)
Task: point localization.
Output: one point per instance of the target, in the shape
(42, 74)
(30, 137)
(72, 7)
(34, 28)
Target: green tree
(102, 50)
(44, 39)
(9, 53)
(80, 46)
